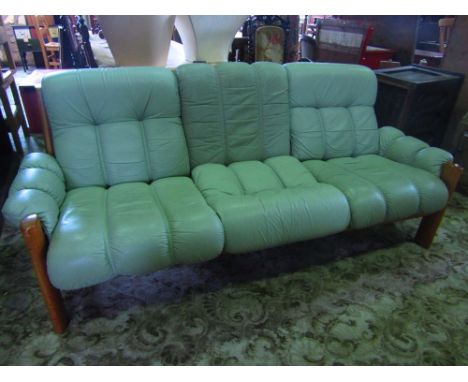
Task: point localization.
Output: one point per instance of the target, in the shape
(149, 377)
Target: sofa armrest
(39, 188)
(401, 148)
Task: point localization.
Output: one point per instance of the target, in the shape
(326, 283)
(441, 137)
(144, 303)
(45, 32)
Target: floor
(369, 297)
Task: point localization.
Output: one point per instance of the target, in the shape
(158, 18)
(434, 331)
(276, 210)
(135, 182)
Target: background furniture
(254, 22)
(30, 91)
(10, 107)
(433, 51)
(373, 56)
(340, 41)
(26, 43)
(269, 44)
(307, 45)
(9, 161)
(75, 49)
(397, 33)
(50, 49)
(462, 154)
(239, 49)
(455, 60)
(417, 100)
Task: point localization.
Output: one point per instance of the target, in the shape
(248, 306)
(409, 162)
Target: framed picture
(54, 32)
(22, 33)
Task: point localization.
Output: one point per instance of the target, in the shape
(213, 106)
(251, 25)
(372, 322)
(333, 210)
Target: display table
(418, 100)
(30, 88)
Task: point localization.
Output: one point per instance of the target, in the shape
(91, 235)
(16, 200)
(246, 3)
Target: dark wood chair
(433, 58)
(10, 101)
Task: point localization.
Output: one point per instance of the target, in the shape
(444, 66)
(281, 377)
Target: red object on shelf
(373, 55)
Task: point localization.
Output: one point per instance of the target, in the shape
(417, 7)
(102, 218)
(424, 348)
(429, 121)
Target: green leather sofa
(153, 168)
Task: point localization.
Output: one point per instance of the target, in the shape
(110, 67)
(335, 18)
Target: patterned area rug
(369, 297)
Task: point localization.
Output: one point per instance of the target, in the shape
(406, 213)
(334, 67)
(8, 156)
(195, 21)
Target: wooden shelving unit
(12, 113)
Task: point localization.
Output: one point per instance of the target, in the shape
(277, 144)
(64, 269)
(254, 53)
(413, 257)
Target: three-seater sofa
(151, 168)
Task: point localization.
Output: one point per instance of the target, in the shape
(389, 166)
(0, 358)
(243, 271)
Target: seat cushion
(265, 204)
(381, 190)
(130, 229)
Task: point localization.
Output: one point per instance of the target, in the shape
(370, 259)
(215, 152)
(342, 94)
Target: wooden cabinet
(418, 100)
(9, 161)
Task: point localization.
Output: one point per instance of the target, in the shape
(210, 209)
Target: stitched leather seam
(58, 202)
(261, 123)
(415, 154)
(58, 175)
(145, 148)
(391, 143)
(353, 129)
(167, 224)
(35, 189)
(141, 126)
(239, 182)
(413, 183)
(368, 181)
(106, 234)
(280, 180)
(322, 130)
(96, 130)
(221, 113)
(45, 169)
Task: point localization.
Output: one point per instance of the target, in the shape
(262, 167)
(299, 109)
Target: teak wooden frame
(450, 174)
(36, 243)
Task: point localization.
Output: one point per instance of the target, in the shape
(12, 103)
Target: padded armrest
(401, 148)
(39, 188)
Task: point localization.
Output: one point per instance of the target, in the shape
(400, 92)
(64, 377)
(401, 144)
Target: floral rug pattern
(369, 297)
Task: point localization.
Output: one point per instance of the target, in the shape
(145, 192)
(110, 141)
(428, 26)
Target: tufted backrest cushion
(234, 111)
(332, 110)
(116, 125)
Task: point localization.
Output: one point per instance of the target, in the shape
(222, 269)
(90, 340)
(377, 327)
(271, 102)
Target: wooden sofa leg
(451, 173)
(36, 243)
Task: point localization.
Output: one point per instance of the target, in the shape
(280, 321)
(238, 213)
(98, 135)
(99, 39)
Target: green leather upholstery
(332, 110)
(116, 125)
(380, 190)
(277, 155)
(409, 150)
(39, 188)
(129, 229)
(265, 204)
(234, 111)
(119, 128)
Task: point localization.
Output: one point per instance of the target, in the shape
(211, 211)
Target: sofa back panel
(116, 125)
(332, 110)
(234, 111)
